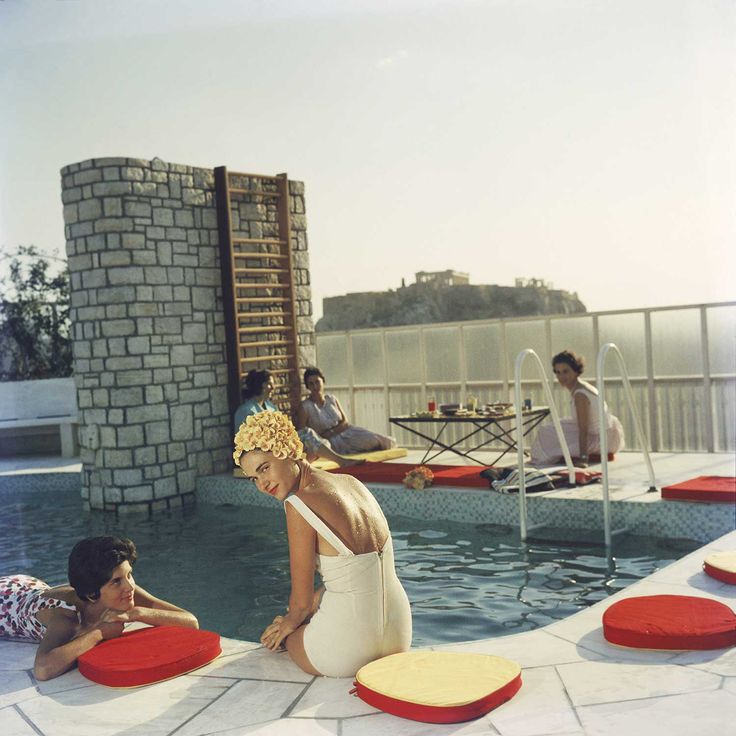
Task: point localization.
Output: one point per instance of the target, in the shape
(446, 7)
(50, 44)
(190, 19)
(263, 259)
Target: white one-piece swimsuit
(364, 613)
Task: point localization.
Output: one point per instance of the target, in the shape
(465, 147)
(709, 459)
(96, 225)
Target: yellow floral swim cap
(270, 431)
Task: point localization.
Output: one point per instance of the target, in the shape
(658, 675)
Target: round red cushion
(438, 687)
(670, 622)
(721, 566)
(149, 655)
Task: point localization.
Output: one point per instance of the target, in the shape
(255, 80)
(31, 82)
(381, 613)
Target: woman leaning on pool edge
(335, 525)
(69, 620)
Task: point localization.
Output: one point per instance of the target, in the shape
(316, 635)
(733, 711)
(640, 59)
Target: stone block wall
(148, 328)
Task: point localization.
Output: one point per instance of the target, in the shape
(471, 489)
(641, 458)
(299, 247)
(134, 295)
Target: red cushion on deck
(713, 488)
(149, 655)
(670, 622)
(465, 476)
(721, 566)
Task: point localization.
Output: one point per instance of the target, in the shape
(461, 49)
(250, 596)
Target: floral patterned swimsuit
(21, 598)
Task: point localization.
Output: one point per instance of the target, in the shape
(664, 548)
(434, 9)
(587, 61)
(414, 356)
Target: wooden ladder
(258, 284)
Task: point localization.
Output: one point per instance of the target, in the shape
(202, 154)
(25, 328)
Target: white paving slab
(719, 661)
(15, 687)
(68, 681)
(696, 714)
(285, 727)
(330, 697)
(386, 725)
(256, 663)
(590, 683)
(99, 711)
(530, 649)
(13, 724)
(244, 704)
(17, 655)
(540, 707)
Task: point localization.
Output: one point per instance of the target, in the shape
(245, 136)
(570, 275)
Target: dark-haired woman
(582, 430)
(99, 600)
(258, 386)
(322, 413)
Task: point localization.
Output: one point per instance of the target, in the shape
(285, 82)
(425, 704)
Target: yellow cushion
(378, 456)
(721, 566)
(438, 687)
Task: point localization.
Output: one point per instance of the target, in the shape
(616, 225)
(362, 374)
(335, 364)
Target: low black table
(501, 428)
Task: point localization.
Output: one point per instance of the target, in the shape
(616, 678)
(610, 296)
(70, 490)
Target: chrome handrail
(603, 426)
(523, 526)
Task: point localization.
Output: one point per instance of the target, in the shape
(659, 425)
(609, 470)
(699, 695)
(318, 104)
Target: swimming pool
(229, 565)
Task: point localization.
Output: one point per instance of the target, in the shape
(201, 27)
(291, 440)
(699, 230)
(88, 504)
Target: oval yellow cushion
(721, 566)
(439, 687)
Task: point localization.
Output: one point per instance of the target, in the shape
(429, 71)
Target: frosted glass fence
(681, 361)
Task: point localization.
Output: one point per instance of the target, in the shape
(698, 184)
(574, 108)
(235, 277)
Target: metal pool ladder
(524, 527)
(600, 364)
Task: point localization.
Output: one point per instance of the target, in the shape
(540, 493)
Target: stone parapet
(148, 327)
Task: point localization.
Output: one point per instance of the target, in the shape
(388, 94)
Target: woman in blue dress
(258, 386)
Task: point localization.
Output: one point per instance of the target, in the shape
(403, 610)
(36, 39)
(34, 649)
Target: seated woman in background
(69, 620)
(323, 413)
(581, 431)
(334, 525)
(258, 386)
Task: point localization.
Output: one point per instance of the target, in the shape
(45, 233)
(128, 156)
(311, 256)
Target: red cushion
(721, 566)
(438, 687)
(465, 476)
(670, 622)
(149, 655)
(712, 488)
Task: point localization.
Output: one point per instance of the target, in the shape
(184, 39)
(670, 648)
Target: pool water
(230, 566)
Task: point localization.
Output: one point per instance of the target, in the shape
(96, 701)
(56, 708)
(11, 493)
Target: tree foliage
(34, 318)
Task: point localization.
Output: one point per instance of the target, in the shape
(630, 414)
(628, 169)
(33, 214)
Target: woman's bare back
(348, 508)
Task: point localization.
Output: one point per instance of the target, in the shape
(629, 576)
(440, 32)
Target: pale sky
(589, 143)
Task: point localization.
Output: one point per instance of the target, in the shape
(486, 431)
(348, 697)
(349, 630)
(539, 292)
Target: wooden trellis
(258, 281)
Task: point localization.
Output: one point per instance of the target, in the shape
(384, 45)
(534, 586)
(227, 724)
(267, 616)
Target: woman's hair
(309, 372)
(270, 431)
(254, 382)
(576, 362)
(92, 561)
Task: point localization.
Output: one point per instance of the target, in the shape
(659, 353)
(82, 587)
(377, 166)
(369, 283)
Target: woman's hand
(110, 624)
(341, 426)
(111, 616)
(111, 630)
(275, 633)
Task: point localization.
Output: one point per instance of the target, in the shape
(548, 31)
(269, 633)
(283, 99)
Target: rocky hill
(426, 303)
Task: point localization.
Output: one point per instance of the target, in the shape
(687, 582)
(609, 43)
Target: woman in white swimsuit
(335, 525)
(69, 620)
